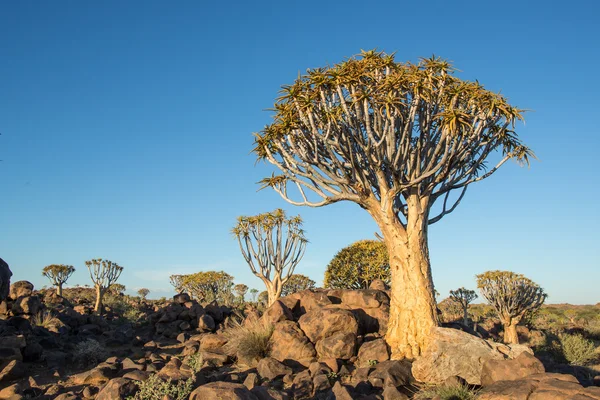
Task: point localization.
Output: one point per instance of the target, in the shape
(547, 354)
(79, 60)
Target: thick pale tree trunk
(274, 291)
(466, 316)
(59, 289)
(413, 311)
(99, 295)
(510, 330)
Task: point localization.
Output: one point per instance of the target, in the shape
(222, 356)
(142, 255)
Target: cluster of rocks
(326, 344)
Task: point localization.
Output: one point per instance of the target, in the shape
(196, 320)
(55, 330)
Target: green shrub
(577, 350)
(249, 342)
(357, 265)
(155, 388)
(89, 352)
(446, 392)
(195, 361)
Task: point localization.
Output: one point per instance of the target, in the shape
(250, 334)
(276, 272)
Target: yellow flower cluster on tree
(512, 295)
(356, 266)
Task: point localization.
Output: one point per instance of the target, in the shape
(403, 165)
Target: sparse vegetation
(195, 361)
(249, 342)
(45, 319)
(207, 286)
(143, 293)
(446, 392)
(89, 352)
(154, 388)
(463, 297)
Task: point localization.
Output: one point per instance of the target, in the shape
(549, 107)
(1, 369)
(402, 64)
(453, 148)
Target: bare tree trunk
(466, 316)
(99, 294)
(274, 292)
(59, 289)
(510, 331)
(413, 310)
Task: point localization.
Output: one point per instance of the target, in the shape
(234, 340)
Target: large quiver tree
(272, 245)
(512, 296)
(58, 275)
(393, 138)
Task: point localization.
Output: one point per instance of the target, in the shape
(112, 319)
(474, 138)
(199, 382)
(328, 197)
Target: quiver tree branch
(58, 275)
(272, 245)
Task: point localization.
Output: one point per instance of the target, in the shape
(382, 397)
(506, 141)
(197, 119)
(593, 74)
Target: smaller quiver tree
(58, 275)
(272, 245)
(357, 265)
(512, 296)
(240, 290)
(143, 292)
(463, 297)
(297, 283)
(104, 273)
(208, 286)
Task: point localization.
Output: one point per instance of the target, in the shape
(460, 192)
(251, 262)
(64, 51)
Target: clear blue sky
(127, 126)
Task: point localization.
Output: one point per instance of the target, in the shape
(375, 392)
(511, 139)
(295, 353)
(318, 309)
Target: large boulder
(290, 343)
(540, 387)
(510, 370)
(29, 305)
(269, 368)
(340, 345)
(20, 289)
(222, 391)
(451, 352)
(5, 275)
(373, 351)
(321, 323)
(118, 388)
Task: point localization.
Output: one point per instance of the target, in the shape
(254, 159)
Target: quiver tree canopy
(511, 295)
(58, 275)
(272, 245)
(394, 138)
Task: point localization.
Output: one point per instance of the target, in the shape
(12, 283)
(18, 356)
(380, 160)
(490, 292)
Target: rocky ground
(326, 344)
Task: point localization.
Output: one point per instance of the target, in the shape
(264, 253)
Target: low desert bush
(446, 392)
(249, 342)
(154, 388)
(577, 350)
(195, 361)
(89, 352)
(45, 319)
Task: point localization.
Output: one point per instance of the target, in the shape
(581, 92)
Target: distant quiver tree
(463, 297)
(396, 139)
(297, 283)
(104, 273)
(272, 245)
(512, 296)
(58, 275)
